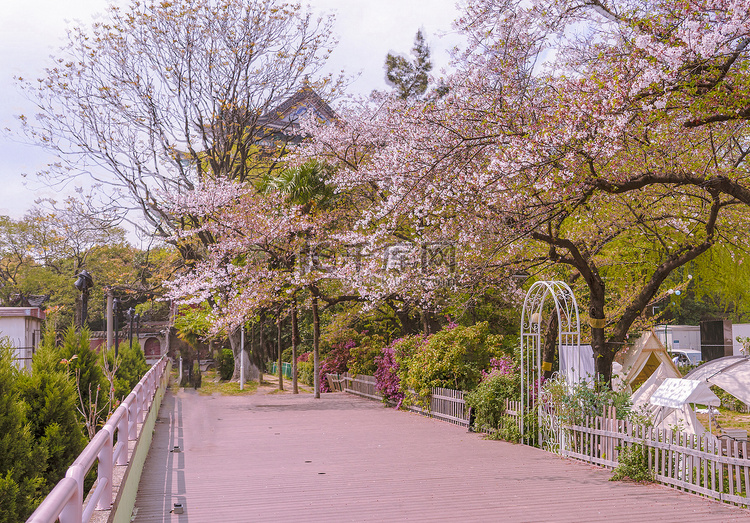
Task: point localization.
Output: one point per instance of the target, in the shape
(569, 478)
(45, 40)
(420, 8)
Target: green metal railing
(286, 369)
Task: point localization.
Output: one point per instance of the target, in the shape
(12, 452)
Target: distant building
(152, 337)
(22, 326)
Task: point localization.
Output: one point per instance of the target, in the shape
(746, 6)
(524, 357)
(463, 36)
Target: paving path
(283, 457)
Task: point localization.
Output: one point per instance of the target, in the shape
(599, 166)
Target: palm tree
(307, 187)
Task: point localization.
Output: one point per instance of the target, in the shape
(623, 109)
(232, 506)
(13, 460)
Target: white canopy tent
(730, 373)
(682, 415)
(675, 393)
(672, 400)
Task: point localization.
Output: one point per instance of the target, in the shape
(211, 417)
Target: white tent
(730, 373)
(644, 392)
(672, 400)
(676, 393)
(682, 416)
(643, 360)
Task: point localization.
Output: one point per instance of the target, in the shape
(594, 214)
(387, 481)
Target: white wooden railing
(65, 501)
(445, 404)
(718, 469)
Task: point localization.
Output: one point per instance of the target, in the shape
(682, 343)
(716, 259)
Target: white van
(686, 357)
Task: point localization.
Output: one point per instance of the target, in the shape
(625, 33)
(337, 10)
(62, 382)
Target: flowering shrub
(452, 358)
(502, 365)
(335, 362)
(502, 382)
(388, 382)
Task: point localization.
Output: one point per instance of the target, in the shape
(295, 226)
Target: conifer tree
(20, 459)
(410, 78)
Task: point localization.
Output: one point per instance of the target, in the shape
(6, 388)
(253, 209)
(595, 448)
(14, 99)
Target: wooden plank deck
(344, 458)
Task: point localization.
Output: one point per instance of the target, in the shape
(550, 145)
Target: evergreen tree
(51, 397)
(410, 78)
(131, 367)
(84, 368)
(20, 460)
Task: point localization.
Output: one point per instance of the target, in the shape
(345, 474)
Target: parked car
(686, 357)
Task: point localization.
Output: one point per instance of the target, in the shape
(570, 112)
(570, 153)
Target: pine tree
(20, 460)
(410, 78)
(50, 395)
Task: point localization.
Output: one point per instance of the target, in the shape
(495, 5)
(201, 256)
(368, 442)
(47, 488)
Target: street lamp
(131, 317)
(84, 283)
(115, 311)
(138, 329)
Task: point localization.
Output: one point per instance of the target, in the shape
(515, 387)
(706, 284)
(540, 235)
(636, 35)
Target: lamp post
(138, 329)
(115, 311)
(84, 283)
(131, 317)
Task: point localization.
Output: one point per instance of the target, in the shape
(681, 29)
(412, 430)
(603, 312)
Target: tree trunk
(603, 356)
(278, 340)
(234, 343)
(259, 357)
(316, 346)
(550, 343)
(295, 344)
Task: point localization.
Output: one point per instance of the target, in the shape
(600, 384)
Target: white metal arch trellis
(532, 366)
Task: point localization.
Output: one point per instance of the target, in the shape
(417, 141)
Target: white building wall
(742, 330)
(14, 329)
(679, 336)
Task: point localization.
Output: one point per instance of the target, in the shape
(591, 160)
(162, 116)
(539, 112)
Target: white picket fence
(444, 404)
(704, 465)
(699, 464)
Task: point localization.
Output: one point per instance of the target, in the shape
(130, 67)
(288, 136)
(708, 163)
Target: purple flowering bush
(388, 364)
(388, 382)
(336, 361)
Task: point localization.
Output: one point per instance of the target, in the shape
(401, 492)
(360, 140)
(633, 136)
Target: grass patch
(728, 419)
(211, 384)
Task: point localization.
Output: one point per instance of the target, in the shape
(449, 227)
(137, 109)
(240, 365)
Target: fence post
(73, 511)
(104, 469)
(123, 436)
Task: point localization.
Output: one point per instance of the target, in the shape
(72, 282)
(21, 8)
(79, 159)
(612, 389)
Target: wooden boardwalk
(342, 458)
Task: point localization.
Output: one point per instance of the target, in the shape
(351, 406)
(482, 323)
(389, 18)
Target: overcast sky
(32, 30)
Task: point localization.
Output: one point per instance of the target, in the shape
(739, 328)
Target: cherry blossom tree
(156, 97)
(553, 145)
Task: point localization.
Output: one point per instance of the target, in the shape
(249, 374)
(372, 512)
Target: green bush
(633, 464)
(452, 358)
(305, 369)
(226, 364)
(362, 357)
(573, 406)
(83, 366)
(488, 401)
(21, 458)
(131, 367)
